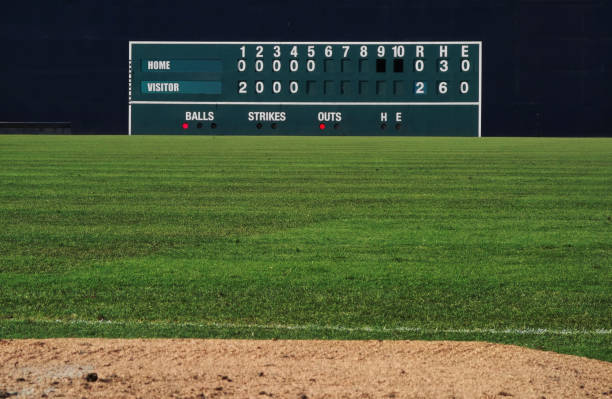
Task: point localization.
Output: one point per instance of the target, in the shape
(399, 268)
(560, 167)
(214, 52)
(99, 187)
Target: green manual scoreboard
(306, 88)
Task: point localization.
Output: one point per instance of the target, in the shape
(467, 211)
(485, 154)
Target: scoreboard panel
(306, 88)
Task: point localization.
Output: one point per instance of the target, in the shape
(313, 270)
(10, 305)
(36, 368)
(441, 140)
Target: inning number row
(398, 51)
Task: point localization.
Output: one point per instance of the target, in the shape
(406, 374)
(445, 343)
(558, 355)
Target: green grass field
(504, 240)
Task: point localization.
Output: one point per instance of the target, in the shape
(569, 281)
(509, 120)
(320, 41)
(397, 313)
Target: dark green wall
(546, 64)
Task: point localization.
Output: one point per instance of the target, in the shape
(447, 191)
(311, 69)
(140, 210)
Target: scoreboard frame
(309, 103)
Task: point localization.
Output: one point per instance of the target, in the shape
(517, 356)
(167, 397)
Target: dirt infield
(117, 368)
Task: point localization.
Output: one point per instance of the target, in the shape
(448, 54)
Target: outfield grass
(309, 237)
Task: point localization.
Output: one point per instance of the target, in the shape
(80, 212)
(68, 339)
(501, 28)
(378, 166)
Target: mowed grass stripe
(441, 234)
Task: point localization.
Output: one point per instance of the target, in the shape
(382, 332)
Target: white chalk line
(367, 329)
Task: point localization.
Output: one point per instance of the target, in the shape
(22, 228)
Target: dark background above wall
(547, 64)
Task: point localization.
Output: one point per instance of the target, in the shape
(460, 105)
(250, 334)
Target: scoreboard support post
(306, 88)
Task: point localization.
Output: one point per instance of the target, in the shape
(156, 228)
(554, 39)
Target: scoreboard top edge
(298, 42)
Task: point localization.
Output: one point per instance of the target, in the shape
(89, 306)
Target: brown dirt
(293, 369)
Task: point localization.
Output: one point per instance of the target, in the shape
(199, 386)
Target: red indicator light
(185, 125)
(322, 126)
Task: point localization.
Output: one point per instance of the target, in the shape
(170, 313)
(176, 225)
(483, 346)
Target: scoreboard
(306, 88)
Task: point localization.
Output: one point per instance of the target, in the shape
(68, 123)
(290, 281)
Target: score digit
(310, 65)
(293, 87)
(242, 87)
(276, 87)
(443, 65)
(276, 65)
(442, 87)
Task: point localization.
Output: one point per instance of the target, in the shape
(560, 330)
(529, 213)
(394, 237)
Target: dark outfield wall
(547, 64)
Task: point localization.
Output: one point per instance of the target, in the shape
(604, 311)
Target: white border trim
(297, 103)
(480, 90)
(130, 94)
(338, 43)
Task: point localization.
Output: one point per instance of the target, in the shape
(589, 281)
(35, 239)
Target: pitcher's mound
(115, 368)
